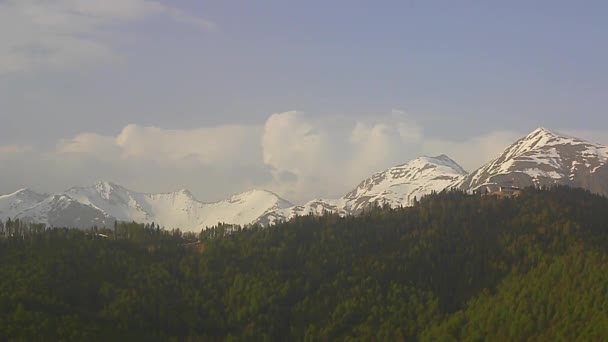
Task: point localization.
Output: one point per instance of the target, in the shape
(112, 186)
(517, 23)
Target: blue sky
(457, 75)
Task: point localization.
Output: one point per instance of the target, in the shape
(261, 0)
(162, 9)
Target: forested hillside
(452, 267)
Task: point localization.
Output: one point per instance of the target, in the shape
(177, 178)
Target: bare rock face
(544, 158)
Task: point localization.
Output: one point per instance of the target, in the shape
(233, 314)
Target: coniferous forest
(454, 267)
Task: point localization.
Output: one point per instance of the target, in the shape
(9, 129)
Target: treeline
(453, 267)
(137, 232)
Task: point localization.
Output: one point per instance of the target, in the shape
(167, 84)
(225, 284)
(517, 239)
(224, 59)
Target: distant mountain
(545, 158)
(61, 210)
(542, 158)
(314, 207)
(13, 204)
(104, 203)
(399, 185)
(396, 186)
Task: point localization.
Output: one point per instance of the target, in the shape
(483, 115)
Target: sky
(305, 99)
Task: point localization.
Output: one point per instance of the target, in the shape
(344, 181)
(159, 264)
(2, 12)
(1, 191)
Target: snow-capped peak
(14, 203)
(244, 208)
(399, 185)
(542, 157)
(106, 184)
(543, 130)
(536, 139)
(105, 189)
(441, 162)
(104, 202)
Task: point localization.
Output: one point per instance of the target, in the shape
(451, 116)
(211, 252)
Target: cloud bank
(292, 154)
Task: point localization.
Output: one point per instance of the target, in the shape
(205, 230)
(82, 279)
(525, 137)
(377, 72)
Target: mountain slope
(104, 202)
(399, 185)
(544, 158)
(61, 210)
(396, 186)
(13, 204)
(315, 207)
(243, 208)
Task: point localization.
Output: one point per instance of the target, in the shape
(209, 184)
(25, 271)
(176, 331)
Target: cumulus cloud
(39, 34)
(222, 144)
(213, 162)
(384, 142)
(290, 143)
(297, 151)
(295, 155)
(290, 154)
(103, 146)
(327, 156)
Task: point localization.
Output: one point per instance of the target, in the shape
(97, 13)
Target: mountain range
(542, 158)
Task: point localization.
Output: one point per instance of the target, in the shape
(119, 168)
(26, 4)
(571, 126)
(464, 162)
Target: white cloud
(222, 145)
(292, 154)
(384, 142)
(56, 34)
(291, 144)
(298, 152)
(103, 146)
(212, 161)
(327, 157)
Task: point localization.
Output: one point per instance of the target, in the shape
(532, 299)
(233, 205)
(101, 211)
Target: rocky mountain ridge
(542, 158)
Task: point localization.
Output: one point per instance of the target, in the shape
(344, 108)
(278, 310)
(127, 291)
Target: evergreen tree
(452, 267)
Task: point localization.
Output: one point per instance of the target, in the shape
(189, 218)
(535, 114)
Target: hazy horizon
(304, 100)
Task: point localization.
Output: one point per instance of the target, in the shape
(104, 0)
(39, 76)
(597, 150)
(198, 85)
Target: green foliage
(453, 267)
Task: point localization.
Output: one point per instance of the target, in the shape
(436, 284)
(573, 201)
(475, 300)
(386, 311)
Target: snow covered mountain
(545, 158)
(314, 207)
(541, 158)
(104, 202)
(396, 186)
(17, 202)
(61, 210)
(399, 185)
(243, 208)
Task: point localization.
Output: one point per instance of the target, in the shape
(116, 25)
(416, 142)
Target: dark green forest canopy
(453, 267)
